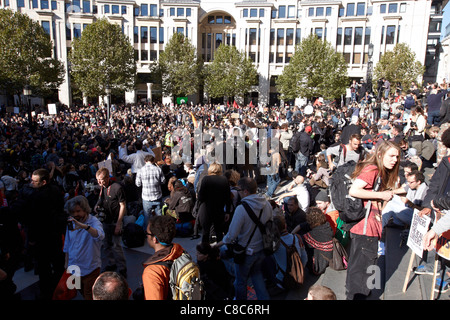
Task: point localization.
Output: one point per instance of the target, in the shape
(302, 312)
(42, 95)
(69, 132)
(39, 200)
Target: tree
(230, 74)
(399, 65)
(103, 56)
(315, 70)
(26, 56)
(179, 67)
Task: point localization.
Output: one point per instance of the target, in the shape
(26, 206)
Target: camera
(101, 214)
(70, 225)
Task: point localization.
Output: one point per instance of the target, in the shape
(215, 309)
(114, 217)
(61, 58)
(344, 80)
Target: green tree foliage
(179, 67)
(230, 74)
(315, 70)
(399, 65)
(26, 56)
(103, 55)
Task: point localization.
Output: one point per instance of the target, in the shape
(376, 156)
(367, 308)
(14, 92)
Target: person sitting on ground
(318, 241)
(298, 189)
(322, 175)
(110, 285)
(218, 281)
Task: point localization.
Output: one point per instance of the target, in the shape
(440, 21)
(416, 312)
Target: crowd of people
(71, 182)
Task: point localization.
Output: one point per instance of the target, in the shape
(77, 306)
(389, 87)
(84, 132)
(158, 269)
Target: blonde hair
(215, 169)
(319, 292)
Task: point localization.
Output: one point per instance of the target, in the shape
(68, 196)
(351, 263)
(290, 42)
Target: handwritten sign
(106, 163)
(419, 227)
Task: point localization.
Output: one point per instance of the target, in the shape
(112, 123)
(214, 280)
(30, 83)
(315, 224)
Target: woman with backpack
(375, 178)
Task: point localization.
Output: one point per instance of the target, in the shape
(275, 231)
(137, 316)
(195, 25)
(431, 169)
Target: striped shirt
(150, 177)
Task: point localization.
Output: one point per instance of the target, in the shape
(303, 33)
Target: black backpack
(294, 143)
(351, 210)
(133, 235)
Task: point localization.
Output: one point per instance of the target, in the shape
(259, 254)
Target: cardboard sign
(418, 229)
(107, 164)
(158, 153)
(52, 108)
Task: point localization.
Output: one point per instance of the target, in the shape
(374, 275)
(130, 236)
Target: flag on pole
(251, 104)
(194, 121)
(235, 105)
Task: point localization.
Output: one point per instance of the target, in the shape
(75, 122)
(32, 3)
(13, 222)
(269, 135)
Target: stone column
(149, 93)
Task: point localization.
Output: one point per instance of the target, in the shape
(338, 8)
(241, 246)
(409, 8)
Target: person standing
(241, 230)
(150, 177)
(215, 198)
(382, 165)
(306, 148)
(136, 159)
(83, 242)
(112, 205)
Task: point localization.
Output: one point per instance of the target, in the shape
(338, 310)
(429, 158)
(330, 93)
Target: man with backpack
(246, 234)
(352, 151)
(155, 278)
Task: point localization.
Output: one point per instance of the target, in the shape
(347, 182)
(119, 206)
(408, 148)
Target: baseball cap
(308, 129)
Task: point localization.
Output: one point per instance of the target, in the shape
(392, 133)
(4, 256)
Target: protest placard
(419, 227)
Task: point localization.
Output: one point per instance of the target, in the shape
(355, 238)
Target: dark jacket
(439, 183)
(306, 144)
(445, 111)
(319, 246)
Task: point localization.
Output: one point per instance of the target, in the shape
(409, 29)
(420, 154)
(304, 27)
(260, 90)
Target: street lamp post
(108, 93)
(369, 68)
(27, 93)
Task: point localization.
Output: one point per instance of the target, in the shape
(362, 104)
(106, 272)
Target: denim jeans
(251, 268)
(433, 118)
(398, 211)
(301, 162)
(272, 182)
(148, 206)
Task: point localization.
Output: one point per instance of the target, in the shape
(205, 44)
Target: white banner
(419, 227)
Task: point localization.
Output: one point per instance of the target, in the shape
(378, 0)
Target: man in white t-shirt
(298, 189)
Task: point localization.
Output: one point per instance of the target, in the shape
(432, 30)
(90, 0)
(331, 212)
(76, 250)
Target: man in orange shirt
(155, 278)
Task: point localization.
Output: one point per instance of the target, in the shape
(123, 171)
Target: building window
(288, 57)
(252, 56)
(311, 12)
(291, 12)
(319, 11)
(360, 8)
(271, 54)
(144, 55)
(347, 57)
(253, 13)
(44, 4)
(435, 26)
(172, 12)
(402, 7)
(261, 13)
(20, 3)
(153, 34)
(211, 19)
(348, 36)
(219, 20)
(282, 12)
(153, 10)
(383, 8)
(180, 30)
(398, 34)
(77, 30)
(153, 55)
(252, 36)
(144, 34)
(227, 19)
(350, 9)
(106, 8)
(358, 35)
(272, 37)
(298, 36)
(290, 36)
(279, 57)
(144, 10)
(390, 34)
(341, 12)
(188, 12)
(245, 13)
(274, 13)
(319, 32)
(369, 10)
(393, 8)
(339, 37)
(180, 12)
(219, 38)
(328, 11)
(115, 9)
(136, 11)
(161, 35)
(367, 36)
(68, 33)
(280, 36)
(46, 26)
(382, 34)
(356, 58)
(136, 35)
(86, 6)
(54, 5)
(124, 9)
